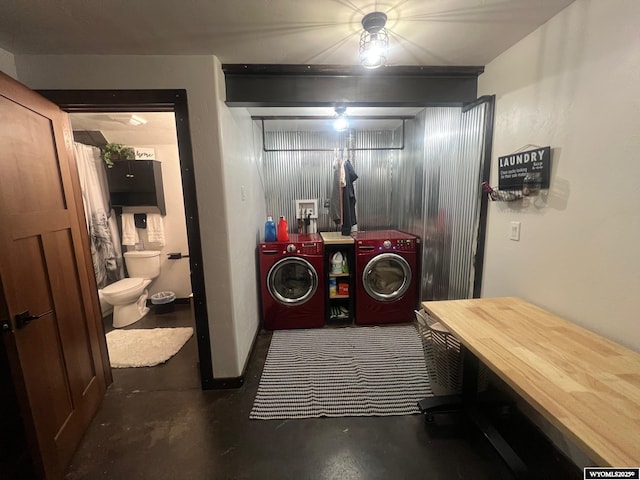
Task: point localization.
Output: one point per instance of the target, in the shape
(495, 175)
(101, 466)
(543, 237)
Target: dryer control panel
(404, 245)
(396, 244)
(307, 248)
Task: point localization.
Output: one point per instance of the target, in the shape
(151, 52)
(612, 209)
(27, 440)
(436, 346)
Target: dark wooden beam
(116, 100)
(330, 85)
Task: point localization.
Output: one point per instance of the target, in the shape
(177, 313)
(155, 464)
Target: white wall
(8, 63)
(245, 202)
(573, 84)
(197, 74)
(175, 275)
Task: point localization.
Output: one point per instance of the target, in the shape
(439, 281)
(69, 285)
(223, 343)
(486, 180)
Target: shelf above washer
(336, 238)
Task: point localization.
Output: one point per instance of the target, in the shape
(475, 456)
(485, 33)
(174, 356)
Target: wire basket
(442, 356)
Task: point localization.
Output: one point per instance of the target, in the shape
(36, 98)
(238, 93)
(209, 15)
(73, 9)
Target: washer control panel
(298, 244)
(306, 248)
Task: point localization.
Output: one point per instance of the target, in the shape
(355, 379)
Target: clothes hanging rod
(357, 149)
(333, 117)
(372, 149)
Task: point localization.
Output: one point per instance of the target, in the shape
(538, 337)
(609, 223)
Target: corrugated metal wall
(464, 205)
(433, 149)
(375, 169)
(439, 196)
(291, 176)
(298, 175)
(408, 180)
(431, 188)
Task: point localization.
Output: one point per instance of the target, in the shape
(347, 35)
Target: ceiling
(159, 129)
(422, 32)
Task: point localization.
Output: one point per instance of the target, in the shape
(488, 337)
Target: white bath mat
(145, 347)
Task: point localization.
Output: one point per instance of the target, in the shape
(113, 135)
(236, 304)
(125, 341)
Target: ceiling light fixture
(374, 40)
(340, 124)
(135, 120)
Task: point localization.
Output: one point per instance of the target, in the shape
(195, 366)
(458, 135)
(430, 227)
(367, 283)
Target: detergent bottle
(283, 230)
(270, 230)
(336, 262)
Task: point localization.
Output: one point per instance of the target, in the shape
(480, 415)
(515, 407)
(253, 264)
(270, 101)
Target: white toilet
(105, 307)
(129, 295)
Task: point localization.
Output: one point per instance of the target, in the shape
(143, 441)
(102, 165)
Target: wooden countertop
(336, 238)
(584, 384)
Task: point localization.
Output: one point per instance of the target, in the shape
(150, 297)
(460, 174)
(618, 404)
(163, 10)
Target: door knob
(5, 326)
(25, 318)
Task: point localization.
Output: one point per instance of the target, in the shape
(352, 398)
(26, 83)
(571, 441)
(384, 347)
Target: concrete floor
(156, 423)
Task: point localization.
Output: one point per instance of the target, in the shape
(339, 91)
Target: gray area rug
(338, 372)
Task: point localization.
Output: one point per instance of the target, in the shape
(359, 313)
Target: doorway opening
(113, 106)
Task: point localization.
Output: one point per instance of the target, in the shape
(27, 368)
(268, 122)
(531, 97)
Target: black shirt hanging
(349, 199)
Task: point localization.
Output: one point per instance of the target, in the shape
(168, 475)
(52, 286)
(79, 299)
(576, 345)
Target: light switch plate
(514, 233)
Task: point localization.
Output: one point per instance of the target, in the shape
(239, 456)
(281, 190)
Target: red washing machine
(292, 282)
(387, 276)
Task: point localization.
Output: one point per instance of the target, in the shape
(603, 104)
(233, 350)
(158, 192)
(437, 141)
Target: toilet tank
(143, 263)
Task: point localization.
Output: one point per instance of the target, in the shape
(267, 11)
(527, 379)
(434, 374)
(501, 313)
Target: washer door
(386, 277)
(292, 281)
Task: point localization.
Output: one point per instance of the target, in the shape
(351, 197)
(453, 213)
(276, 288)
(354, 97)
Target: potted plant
(116, 151)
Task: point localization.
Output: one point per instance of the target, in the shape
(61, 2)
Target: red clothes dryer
(292, 282)
(387, 276)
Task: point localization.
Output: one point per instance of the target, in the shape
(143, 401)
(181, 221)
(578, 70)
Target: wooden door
(53, 334)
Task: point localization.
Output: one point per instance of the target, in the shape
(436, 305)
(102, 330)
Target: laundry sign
(513, 168)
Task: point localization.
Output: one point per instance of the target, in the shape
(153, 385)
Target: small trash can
(163, 302)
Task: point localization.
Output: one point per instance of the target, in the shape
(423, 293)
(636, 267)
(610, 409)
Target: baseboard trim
(226, 383)
(235, 382)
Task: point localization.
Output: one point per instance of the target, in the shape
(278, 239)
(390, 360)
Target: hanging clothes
(349, 221)
(335, 203)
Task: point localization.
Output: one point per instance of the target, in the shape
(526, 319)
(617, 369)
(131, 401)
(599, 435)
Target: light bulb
(340, 124)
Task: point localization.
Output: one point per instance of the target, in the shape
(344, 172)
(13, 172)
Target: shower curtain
(101, 220)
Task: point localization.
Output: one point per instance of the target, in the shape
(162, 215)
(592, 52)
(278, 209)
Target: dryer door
(386, 277)
(292, 281)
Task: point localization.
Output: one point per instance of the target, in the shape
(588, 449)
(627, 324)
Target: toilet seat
(123, 287)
